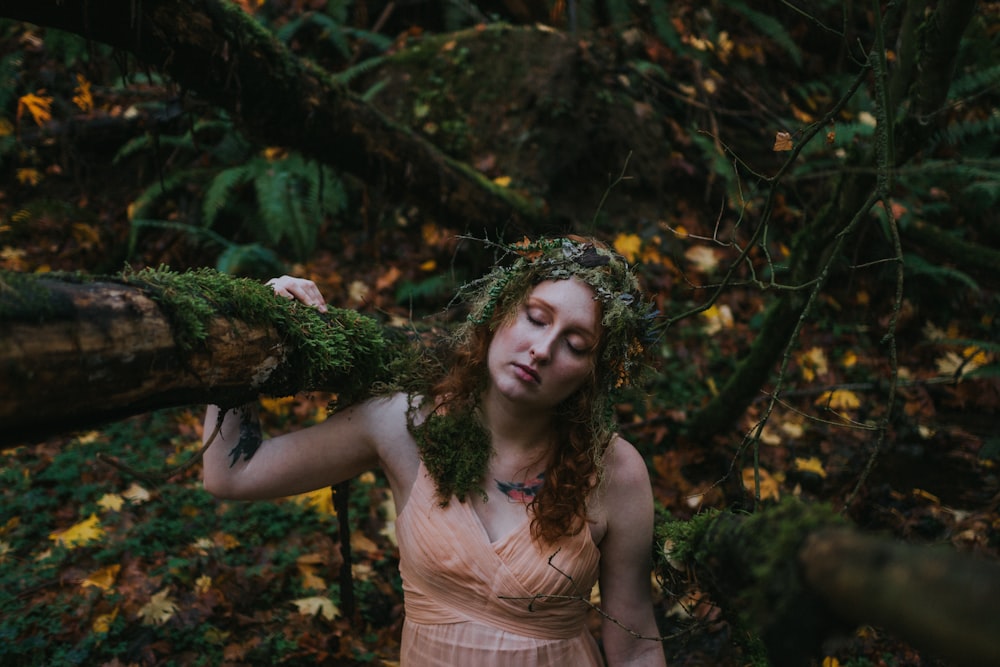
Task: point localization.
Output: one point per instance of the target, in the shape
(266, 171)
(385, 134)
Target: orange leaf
(782, 141)
(81, 94)
(39, 106)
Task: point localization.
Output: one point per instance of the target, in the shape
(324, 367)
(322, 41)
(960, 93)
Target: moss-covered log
(797, 574)
(76, 353)
(217, 51)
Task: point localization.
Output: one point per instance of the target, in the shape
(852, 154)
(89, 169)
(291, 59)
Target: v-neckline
(500, 541)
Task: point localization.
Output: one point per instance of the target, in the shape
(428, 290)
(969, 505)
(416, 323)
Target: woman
(514, 494)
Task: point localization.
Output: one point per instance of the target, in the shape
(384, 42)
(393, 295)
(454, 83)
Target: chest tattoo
(522, 492)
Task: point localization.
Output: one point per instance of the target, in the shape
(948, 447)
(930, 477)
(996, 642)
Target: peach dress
(472, 602)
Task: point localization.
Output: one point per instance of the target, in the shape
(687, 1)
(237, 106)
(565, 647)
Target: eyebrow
(588, 333)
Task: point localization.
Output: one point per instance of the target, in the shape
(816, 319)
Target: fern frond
(217, 193)
(157, 192)
(769, 26)
(345, 77)
(964, 132)
(331, 29)
(973, 81)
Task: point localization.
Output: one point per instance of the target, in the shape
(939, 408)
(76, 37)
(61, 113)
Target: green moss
(459, 470)
(338, 344)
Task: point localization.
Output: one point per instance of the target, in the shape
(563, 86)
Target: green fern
(329, 28)
(770, 26)
(218, 192)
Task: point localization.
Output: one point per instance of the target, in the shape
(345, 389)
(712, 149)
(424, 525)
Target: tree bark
(76, 355)
(796, 575)
(214, 50)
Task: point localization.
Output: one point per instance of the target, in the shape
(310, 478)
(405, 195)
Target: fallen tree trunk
(223, 55)
(797, 575)
(75, 354)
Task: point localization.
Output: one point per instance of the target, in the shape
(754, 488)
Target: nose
(540, 350)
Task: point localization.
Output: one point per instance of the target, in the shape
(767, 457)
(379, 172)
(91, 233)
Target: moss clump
(339, 344)
(456, 470)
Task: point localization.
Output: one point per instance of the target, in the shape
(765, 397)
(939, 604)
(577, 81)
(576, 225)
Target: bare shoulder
(624, 468)
(387, 419)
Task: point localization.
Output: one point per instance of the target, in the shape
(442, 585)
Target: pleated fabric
(508, 603)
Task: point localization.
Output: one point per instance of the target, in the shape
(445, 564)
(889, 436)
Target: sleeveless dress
(472, 602)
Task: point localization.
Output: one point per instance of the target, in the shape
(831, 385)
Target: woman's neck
(513, 430)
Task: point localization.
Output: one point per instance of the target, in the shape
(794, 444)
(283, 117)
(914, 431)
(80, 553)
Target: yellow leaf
(135, 494)
(628, 246)
(429, 265)
(717, 318)
(768, 484)
(812, 363)
(6, 127)
(839, 399)
(320, 500)
(782, 142)
(367, 477)
(830, 661)
(202, 584)
(102, 623)
(970, 359)
(849, 360)
(317, 605)
(159, 609)
(4, 550)
(88, 530)
(277, 406)
(28, 176)
(39, 106)
(502, 181)
(811, 464)
(111, 501)
(103, 578)
(81, 94)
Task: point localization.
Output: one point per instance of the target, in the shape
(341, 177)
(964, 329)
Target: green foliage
(770, 26)
(282, 201)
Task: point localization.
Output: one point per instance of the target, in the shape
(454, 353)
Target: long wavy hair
(583, 423)
(560, 507)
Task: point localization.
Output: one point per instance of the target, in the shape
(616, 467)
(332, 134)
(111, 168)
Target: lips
(528, 373)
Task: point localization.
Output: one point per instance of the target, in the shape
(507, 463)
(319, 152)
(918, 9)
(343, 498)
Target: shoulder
(624, 467)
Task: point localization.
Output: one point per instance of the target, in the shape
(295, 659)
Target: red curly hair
(560, 507)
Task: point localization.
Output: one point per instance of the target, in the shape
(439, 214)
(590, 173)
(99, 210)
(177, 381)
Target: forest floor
(103, 565)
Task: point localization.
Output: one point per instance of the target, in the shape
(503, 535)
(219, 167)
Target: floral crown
(628, 318)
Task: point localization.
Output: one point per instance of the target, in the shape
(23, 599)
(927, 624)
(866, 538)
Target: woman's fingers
(300, 289)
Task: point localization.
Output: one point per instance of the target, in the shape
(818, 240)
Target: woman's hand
(301, 289)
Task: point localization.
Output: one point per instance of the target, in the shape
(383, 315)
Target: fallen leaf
(768, 484)
(103, 578)
(111, 501)
(103, 622)
(812, 464)
(38, 106)
(839, 399)
(135, 494)
(88, 530)
(317, 605)
(159, 609)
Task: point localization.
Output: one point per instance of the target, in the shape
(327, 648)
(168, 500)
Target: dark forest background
(808, 189)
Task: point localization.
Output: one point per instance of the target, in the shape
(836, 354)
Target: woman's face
(548, 349)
